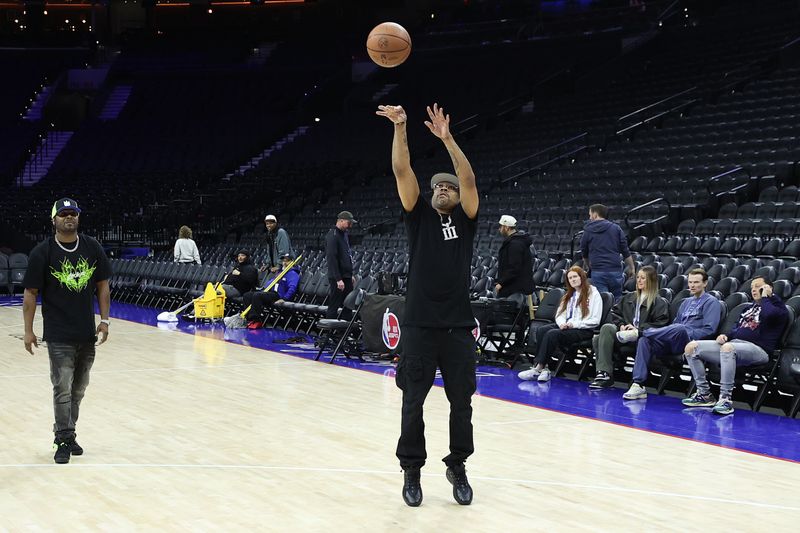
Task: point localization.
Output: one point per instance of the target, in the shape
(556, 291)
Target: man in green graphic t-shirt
(67, 270)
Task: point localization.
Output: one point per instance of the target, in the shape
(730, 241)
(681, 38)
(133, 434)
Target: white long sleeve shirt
(578, 320)
(186, 251)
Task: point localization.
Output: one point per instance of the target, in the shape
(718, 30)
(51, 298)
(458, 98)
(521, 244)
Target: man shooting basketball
(438, 317)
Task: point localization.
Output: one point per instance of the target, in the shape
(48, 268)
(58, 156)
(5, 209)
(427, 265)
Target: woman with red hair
(579, 312)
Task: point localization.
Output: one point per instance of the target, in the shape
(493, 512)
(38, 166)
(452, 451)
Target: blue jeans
(609, 282)
(658, 342)
(70, 363)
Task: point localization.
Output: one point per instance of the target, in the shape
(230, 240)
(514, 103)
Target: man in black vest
(436, 329)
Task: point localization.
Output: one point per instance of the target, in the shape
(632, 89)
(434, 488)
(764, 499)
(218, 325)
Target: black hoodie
(247, 279)
(515, 265)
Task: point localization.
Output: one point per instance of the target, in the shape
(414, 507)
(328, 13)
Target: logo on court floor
(390, 330)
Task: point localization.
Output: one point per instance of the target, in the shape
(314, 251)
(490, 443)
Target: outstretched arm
(407, 186)
(439, 125)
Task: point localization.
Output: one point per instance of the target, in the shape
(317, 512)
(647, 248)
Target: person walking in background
(514, 260)
(340, 265)
(604, 245)
(67, 270)
(185, 248)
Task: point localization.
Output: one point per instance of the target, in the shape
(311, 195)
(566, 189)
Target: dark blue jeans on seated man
(70, 363)
(658, 342)
(609, 282)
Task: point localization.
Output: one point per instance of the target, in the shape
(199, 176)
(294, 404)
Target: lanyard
(571, 306)
(638, 311)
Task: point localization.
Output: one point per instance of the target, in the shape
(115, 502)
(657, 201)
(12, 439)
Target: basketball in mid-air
(388, 44)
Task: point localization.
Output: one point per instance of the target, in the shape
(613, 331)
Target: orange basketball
(388, 44)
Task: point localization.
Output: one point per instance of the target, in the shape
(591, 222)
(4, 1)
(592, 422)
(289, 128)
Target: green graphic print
(74, 277)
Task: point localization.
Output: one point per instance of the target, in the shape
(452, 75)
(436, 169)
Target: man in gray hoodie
(603, 245)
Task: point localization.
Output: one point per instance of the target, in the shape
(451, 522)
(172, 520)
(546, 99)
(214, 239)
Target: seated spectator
(185, 248)
(637, 311)
(282, 291)
(697, 318)
(750, 342)
(579, 312)
(241, 279)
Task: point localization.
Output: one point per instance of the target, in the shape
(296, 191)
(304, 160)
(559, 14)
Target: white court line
(395, 472)
(158, 369)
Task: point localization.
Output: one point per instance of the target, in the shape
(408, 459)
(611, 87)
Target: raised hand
(395, 113)
(439, 123)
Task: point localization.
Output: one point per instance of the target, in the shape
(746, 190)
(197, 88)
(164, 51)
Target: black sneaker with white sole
(602, 381)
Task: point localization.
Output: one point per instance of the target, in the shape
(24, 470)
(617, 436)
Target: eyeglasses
(445, 186)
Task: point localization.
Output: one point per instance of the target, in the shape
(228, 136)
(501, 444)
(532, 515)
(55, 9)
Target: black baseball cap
(347, 215)
(286, 256)
(63, 205)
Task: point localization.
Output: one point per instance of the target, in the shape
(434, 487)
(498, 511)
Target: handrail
(543, 150)
(661, 15)
(642, 206)
(712, 179)
(544, 164)
(668, 98)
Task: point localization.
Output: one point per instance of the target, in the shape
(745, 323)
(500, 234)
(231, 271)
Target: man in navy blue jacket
(603, 246)
(750, 342)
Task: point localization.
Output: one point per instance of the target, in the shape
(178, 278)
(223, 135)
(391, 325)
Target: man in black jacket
(241, 279)
(340, 265)
(514, 260)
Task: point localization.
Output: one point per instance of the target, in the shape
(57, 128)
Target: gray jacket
(278, 243)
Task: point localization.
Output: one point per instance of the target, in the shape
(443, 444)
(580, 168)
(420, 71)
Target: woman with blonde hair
(579, 312)
(635, 312)
(185, 248)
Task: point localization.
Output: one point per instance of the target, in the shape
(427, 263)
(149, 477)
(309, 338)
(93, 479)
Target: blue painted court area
(760, 433)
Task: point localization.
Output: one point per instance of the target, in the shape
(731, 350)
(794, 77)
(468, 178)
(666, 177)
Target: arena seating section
(701, 125)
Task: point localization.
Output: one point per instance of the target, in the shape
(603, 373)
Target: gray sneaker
(636, 392)
(699, 400)
(723, 407)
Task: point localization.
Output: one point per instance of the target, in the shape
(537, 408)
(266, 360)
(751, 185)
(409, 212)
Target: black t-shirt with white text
(66, 283)
(440, 257)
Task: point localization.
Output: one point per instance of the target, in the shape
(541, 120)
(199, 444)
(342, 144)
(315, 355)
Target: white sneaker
(636, 392)
(544, 375)
(227, 320)
(529, 375)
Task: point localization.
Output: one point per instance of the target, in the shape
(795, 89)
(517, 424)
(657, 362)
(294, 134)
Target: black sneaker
(62, 452)
(75, 448)
(457, 476)
(602, 381)
(412, 490)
